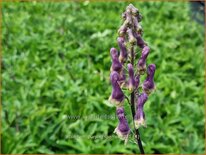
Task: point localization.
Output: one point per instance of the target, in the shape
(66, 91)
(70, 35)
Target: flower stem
(132, 105)
(137, 134)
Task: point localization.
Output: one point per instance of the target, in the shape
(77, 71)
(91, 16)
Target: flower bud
(124, 15)
(122, 80)
(139, 30)
(135, 11)
(123, 49)
(122, 130)
(141, 65)
(132, 39)
(131, 81)
(116, 65)
(135, 22)
(128, 13)
(123, 29)
(139, 118)
(117, 96)
(137, 80)
(148, 85)
(139, 18)
(140, 41)
(129, 8)
(122, 75)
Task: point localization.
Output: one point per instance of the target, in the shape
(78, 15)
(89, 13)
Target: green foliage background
(56, 64)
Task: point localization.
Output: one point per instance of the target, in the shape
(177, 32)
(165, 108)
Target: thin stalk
(132, 97)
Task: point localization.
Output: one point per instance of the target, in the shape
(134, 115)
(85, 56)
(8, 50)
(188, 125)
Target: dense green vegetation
(55, 71)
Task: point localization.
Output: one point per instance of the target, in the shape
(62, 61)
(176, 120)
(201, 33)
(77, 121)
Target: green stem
(132, 105)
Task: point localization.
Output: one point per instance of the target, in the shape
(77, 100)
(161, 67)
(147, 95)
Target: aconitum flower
(122, 80)
(123, 50)
(148, 85)
(122, 30)
(116, 65)
(131, 81)
(122, 130)
(139, 118)
(137, 80)
(140, 41)
(141, 65)
(131, 37)
(117, 96)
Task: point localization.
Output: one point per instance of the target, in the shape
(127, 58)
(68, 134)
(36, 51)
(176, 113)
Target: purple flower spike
(116, 65)
(131, 82)
(125, 76)
(117, 96)
(141, 65)
(148, 85)
(139, 118)
(123, 50)
(122, 130)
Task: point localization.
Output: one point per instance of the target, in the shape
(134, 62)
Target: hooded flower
(136, 23)
(122, 130)
(116, 65)
(135, 11)
(140, 41)
(139, 117)
(137, 80)
(122, 78)
(131, 81)
(136, 16)
(128, 13)
(122, 30)
(124, 15)
(141, 65)
(117, 96)
(123, 50)
(148, 85)
(139, 31)
(132, 39)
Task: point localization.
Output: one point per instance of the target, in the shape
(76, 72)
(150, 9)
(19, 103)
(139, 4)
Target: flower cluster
(126, 71)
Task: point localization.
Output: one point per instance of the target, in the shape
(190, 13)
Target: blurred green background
(55, 71)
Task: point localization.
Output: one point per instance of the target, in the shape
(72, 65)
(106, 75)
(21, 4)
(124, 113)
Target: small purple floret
(123, 50)
(140, 116)
(122, 78)
(137, 80)
(117, 96)
(131, 81)
(141, 65)
(148, 85)
(140, 41)
(116, 65)
(122, 130)
(131, 37)
(122, 30)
